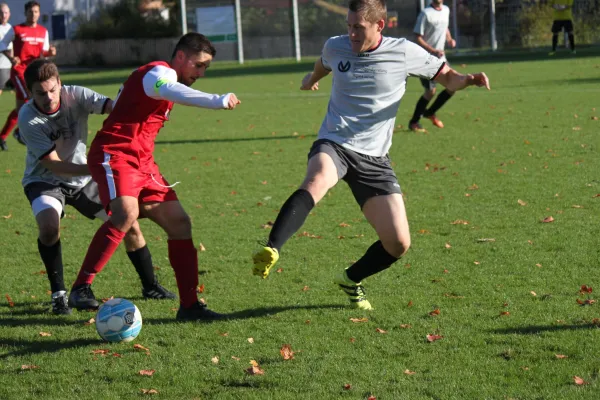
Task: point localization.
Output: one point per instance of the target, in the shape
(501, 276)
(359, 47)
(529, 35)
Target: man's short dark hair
(31, 4)
(39, 71)
(194, 43)
(372, 10)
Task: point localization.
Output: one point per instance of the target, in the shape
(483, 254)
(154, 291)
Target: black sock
(572, 41)
(52, 258)
(291, 217)
(375, 260)
(142, 261)
(419, 109)
(438, 103)
(554, 42)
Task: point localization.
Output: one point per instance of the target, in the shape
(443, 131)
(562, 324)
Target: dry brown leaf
(147, 372)
(201, 247)
(521, 202)
(357, 320)
(200, 289)
(405, 326)
(344, 225)
(352, 340)
(576, 128)
(586, 302)
(433, 338)
(435, 312)
(30, 366)
(379, 330)
(250, 340)
(141, 348)
(476, 262)
(215, 360)
(560, 356)
(286, 352)
(579, 381)
(149, 391)
(305, 288)
(45, 334)
(473, 187)
(89, 322)
(410, 304)
(459, 222)
(224, 334)
(347, 386)
(9, 299)
(409, 372)
(100, 351)
(448, 246)
(235, 358)
(533, 293)
(548, 219)
(279, 270)
(116, 355)
(504, 313)
(255, 370)
(7, 216)
(423, 231)
(585, 289)
(268, 225)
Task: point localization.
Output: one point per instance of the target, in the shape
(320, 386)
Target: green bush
(124, 21)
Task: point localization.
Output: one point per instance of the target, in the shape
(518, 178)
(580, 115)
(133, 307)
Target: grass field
(508, 311)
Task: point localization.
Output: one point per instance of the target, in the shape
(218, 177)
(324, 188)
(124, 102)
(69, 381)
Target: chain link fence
(267, 26)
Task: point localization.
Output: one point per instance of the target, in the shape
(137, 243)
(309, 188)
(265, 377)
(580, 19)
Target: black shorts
(85, 200)
(428, 84)
(559, 25)
(367, 176)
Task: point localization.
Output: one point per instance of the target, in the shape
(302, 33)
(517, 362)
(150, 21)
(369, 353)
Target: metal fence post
(455, 22)
(296, 30)
(493, 40)
(238, 22)
(183, 17)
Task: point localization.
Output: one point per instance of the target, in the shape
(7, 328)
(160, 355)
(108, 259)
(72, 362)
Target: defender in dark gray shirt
(369, 79)
(54, 127)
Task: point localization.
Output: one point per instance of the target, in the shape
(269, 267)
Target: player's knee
(124, 218)
(49, 234)
(397, 246)
(430, 93)
(180, 226)
(317, 186)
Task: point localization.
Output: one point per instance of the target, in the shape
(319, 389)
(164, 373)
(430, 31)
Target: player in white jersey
(55, 129)
(369, 80)
(433, 35)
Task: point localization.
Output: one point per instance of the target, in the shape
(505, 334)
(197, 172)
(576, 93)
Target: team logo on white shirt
(344, 67)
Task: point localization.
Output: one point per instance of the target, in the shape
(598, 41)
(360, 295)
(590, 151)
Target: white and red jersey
(29, 43)
(140, 111)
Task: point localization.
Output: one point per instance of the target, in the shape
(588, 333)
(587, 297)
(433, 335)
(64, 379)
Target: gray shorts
(4, 78)
(42, 195)
(429, 84)
(367, 176)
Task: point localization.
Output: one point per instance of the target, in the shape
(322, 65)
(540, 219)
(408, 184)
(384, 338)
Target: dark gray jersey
(65, 131)
(367, 89)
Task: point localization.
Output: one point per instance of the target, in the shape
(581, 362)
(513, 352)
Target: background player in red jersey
(121, 161)
(30, 42)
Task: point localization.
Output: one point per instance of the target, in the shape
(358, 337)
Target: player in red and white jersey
(121, 161)
(30, 42)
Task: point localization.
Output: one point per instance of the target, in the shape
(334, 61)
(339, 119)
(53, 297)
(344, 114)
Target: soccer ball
(118, 320)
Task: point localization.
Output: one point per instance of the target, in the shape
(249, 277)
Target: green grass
(521, 141)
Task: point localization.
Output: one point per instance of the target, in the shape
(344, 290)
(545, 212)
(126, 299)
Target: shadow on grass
(26, 347)
(52, 320)
(229, 140)
(535, 329)
(251, 313)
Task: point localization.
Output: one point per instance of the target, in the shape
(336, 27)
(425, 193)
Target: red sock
(184, 260)
(9, 125)
(105, 242)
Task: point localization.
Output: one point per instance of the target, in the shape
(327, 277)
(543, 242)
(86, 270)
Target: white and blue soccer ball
(118, 320)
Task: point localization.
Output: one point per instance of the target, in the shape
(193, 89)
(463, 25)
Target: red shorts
(18, 80)
(117, 177)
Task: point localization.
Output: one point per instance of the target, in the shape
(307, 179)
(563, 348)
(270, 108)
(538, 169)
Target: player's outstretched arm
(455, 81)
(54, 164)
(311, 80)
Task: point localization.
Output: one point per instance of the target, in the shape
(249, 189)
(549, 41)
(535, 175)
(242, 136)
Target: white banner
(216, 21)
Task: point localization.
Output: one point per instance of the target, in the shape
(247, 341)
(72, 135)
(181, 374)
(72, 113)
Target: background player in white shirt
(5, 64)
(369, 80)
(433, 35)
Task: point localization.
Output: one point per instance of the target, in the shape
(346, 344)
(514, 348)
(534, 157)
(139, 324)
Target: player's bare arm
(311, 80)
(421, 41)
(54, 164)
(455, 81)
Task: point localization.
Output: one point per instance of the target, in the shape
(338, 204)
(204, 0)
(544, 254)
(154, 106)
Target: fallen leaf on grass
(201, 247)
(7, 216)
(585, 302)
(579, 381)
(224, 334)
(409, 372)
(405, 326)
(268, 225)
(357, 320)
(548, 219)
(234, 358)
(149, 391)
(459, 222)
(250, 340)
(254, 369)
(45, 334)
(533, 293)
(576, 206)
(521, 202)
(347, 386)
(344, 225)
(410, 304)
(371, 397)
(101, 351)
(26, 367)
(215, 360)
(200, 289)
(448, 246)
(116, 355)
(433, 338)
(9, 299)
(560, 356)
(286, 352)
(585, 289)
(279, 270)
(89, 322)
(141, 348)
(147, 372)
(504, 313)
(305, 288)
(379, 330)
(435, 312)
